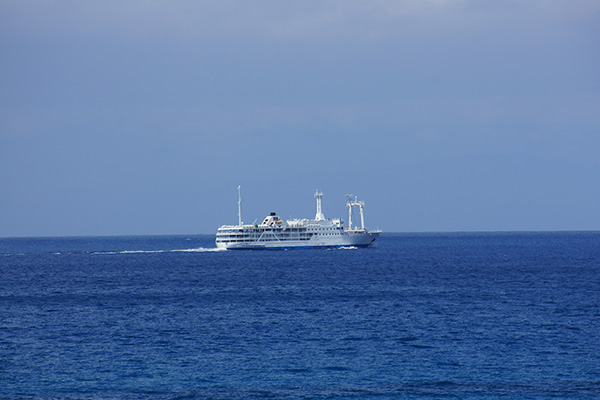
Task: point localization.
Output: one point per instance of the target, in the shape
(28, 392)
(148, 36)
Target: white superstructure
(274, 233)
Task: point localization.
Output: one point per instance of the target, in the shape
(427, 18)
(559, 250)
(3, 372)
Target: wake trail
(197, 250)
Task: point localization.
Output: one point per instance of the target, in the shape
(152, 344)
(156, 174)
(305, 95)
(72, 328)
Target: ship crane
(355, 203)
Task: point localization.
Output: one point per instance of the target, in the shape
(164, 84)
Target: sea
(417, 316)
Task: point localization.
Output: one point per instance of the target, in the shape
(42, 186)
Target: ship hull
(359, 239)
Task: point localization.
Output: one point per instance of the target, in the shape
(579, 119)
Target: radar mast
(319, 216)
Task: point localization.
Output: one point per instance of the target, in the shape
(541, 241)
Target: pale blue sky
(142, 117)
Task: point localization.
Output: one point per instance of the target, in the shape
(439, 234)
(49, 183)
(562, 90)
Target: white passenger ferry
(275, 233)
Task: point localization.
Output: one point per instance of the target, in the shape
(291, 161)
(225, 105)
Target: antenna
(240, 205)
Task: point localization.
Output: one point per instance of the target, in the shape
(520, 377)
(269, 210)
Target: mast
(349, 204)
(362, 216)
(240, 206)
(319, 216)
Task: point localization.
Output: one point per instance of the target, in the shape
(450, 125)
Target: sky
(143, 117)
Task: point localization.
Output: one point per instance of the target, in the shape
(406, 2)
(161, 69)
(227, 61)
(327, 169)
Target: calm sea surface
(427, 316)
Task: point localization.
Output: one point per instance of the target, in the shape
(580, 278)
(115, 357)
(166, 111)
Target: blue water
(422, 316)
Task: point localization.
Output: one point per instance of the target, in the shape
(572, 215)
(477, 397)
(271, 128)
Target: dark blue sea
(418, 316)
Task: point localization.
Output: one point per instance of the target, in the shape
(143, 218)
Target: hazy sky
(142, 117)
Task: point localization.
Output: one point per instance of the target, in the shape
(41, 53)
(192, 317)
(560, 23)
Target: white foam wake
(198, 250)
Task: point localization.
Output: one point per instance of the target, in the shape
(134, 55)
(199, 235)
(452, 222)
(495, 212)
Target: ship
(275, 233)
